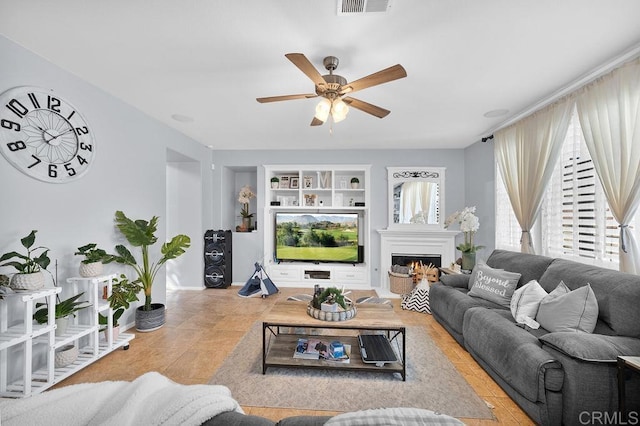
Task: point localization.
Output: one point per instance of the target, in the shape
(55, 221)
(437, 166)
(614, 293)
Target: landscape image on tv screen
(317, 237)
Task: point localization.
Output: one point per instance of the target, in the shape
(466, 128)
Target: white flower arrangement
(244, 197)
(469, 225)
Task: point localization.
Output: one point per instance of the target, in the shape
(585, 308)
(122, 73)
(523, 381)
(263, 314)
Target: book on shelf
(309, 348)
(314, 348)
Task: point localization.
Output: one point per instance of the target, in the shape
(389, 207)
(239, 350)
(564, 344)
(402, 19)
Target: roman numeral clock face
(44, 136)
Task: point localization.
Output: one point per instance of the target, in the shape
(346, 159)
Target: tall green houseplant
(141, 233)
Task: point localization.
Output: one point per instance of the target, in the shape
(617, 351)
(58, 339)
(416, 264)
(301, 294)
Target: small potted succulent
(94, 257)
(355, 182)
(275, 182)
(29, 266)
(331, 299)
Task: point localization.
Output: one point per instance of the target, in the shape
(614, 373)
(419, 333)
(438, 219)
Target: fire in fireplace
(417, 262)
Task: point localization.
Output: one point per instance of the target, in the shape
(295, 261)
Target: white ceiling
(210, 59)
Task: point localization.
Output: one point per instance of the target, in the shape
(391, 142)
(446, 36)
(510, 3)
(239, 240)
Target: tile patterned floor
(204, 326)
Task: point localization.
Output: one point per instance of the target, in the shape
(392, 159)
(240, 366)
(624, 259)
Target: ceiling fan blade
(386, 75)
(366, 107)
(301, 61)
(286, 97)
(316, 122)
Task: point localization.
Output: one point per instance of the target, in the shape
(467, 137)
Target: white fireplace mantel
(413, 241)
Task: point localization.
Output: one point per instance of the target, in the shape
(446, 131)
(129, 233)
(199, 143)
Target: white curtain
(527, 152)
(609, 111)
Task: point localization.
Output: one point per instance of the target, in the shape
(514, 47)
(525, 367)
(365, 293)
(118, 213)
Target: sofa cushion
(617, 293)
(565, 310)
(448, 305)
(511, 352)
(531, 266)
(304, 421)
(455, 280)
(591, 347)
(393, 417)
(526, 300)
(233, 418)
(495, 285)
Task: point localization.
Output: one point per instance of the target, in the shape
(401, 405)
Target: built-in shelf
(317, 189)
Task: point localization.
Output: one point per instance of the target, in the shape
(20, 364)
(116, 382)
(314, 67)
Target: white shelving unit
(31, 347)
(317, 188)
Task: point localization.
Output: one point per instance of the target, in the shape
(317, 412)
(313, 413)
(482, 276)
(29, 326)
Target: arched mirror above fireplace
(416, 197)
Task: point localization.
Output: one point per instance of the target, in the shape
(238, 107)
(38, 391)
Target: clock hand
(63, 133)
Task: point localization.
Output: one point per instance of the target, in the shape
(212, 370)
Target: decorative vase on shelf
(246, 224)
(468, 261)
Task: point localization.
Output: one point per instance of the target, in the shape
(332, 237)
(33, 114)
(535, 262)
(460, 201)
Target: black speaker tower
(217, 259)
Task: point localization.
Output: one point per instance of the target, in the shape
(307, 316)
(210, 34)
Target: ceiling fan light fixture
(340, 108)
(323, 109)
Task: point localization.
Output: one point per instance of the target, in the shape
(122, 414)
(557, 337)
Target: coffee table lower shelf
(278, 351)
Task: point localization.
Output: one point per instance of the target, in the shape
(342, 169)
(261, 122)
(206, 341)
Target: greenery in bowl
(92, 254)
(355, 180)
(63, 308)
(275, 179)
(330, 295)
(31, 262)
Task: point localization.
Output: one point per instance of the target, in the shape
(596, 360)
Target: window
(575, 221)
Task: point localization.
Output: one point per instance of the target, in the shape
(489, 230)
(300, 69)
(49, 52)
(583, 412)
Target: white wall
(128, 173)
(184, 216)
(480, 192)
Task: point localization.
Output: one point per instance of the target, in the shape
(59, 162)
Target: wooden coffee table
(278, 347)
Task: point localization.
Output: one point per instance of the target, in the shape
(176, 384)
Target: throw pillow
(495, 285)
(564, 310)
(395, 416)
(526, 300)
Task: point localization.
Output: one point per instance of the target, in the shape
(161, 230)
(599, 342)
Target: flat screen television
(317, 237)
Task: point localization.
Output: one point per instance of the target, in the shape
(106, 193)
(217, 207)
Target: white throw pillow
(526, 300)
(565, 310)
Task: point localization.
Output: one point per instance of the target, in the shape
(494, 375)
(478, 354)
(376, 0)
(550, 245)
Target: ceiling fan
(333, 89)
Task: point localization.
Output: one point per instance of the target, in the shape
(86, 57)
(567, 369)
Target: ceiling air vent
(359, 7)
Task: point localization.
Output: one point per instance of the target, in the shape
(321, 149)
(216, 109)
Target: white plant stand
(24, 345)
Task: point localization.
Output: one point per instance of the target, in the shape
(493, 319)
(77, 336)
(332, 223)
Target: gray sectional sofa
(559, 377)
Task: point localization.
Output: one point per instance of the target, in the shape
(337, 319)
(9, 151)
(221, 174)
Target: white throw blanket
(151, 399)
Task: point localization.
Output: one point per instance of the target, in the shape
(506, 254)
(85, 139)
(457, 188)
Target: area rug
(432, 382)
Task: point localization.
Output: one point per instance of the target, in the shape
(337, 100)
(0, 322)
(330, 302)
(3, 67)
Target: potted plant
(330, 299)
(244, 197)
(355, 182)
(275, 182)
(29, 266)
(91, 265)
(123, 293)
(141, 233)
(469, 225)
(63, 310)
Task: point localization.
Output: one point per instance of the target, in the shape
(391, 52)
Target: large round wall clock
(44, 136)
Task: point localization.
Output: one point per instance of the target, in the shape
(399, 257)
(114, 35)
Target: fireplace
(439, 245)
(414, 259)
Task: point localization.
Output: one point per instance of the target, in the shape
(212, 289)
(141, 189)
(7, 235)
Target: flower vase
(468, 261)
(246, 224)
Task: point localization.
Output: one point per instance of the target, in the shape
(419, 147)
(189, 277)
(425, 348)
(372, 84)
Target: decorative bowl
(331, 316)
